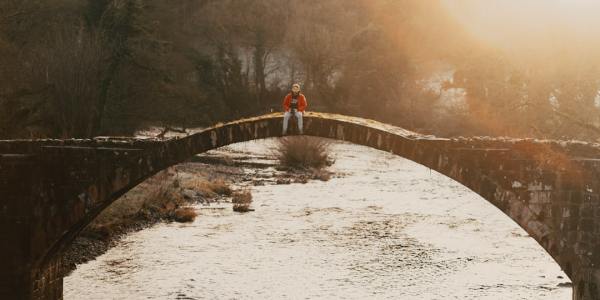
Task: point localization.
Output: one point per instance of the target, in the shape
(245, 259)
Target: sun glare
(526, 24)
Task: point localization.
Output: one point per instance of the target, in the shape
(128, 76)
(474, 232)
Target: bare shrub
(164, 197)
(241, 201)
(220, 187)
(185, 214)
(209, 189)
(153, 195)
(303, 152)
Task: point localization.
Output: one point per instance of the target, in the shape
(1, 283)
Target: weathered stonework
(51, 189)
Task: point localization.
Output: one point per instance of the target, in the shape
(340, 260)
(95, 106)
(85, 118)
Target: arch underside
(519, 186)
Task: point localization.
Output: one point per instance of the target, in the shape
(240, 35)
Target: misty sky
(530, 24)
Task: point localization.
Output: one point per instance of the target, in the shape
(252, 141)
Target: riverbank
(164, 197)
(168, 196)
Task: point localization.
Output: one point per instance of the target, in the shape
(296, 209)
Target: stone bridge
(51, 189)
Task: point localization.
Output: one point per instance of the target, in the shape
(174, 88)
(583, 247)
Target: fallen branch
(170, 129)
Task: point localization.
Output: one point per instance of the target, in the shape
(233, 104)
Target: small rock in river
(283, 181)
(565, 284)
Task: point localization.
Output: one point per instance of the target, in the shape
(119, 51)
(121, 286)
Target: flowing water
(387, 229)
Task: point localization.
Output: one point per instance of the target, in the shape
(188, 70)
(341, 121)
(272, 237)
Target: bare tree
(72, 65)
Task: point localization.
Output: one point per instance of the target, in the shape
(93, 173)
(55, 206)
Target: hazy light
(531, 25)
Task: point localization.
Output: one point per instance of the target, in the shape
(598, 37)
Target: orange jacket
(287, 102)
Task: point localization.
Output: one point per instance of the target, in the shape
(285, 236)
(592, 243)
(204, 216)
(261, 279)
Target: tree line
(71, 68)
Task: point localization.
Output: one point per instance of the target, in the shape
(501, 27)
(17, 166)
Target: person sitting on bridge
(294, 104)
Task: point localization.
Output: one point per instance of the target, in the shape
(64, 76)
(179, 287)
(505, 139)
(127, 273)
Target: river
(387, 229)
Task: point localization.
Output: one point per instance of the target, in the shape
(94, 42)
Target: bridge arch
(535, 183)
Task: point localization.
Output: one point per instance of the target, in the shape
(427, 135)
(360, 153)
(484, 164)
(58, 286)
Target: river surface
(387, 229)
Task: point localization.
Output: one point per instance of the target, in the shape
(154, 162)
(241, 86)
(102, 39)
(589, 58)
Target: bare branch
(576, 121)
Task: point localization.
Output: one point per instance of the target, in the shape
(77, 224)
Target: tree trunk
(259, 67)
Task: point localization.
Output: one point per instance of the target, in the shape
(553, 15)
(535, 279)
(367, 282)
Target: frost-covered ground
(388, 229)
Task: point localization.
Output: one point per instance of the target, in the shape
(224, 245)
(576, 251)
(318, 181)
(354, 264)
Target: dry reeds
(209, 189)
(150, 197)
(303, 152)
(163, 196)
(184, 214)
(241, 201)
